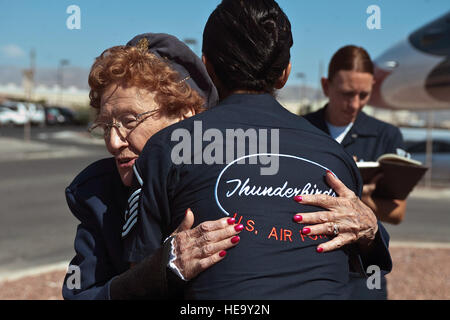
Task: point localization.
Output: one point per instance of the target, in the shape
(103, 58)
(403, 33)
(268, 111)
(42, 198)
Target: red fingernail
(298, 218)
(298, 198)
(222, 253)
(235, 239)
(231, 221)
(306, 230)
(239, 227)
(319, 249)
(187, 210)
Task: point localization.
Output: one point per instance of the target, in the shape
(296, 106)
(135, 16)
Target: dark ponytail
(248, 43)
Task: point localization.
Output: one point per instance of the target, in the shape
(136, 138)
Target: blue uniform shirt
(97, 198)
(273, 259)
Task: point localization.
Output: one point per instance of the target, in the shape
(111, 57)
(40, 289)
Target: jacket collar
(266, 111)
(361, 126)
(249, 99)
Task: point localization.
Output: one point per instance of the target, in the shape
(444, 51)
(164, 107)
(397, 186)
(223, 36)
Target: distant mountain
(78, 77)
(10, 74)
(72, 76)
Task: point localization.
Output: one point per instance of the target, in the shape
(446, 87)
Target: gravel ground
(418, 274)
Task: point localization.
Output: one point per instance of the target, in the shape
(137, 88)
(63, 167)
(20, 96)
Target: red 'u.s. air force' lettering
(277, 233)
(280, 235)
(283, 234)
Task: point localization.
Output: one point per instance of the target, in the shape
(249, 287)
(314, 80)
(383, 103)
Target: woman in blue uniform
(246, 158)
(348, 87)
(98, 195)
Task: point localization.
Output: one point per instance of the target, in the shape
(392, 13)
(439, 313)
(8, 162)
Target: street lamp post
(29, 87)
(60, 78)
(429, 148)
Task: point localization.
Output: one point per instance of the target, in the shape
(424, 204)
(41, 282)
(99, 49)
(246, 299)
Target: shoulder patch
(131, 213)
(137, 175)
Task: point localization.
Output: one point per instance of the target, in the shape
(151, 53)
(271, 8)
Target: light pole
(429, 148)
(29, 87)
(60, 77)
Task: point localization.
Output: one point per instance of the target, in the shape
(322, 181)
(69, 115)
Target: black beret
(181, 58)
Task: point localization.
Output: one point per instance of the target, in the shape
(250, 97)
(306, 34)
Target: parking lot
(20, 113)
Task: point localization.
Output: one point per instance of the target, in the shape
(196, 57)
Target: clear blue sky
(319, 27)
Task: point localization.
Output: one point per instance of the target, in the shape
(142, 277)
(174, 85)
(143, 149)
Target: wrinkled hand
(198, 249)
(355, 220)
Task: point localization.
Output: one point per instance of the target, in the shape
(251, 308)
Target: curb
(419, 245)
(430, 193)
(55, 154)
(16, 275)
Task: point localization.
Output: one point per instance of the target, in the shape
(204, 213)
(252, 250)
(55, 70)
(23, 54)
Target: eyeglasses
(124, 124)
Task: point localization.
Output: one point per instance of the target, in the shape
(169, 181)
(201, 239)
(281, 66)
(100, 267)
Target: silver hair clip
(187, 78)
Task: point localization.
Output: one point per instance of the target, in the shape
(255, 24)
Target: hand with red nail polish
(201, 247)
(345, 218)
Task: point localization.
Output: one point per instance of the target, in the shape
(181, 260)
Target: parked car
(53, 116)
(10, 115)
(69, 115)
(36, 113)
(24, 112)
(60, 115)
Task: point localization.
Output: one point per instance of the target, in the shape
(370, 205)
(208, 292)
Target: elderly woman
(246, 47)
(137, 90)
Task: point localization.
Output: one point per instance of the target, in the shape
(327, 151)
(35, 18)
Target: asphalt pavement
(38, 229)
(36, 226)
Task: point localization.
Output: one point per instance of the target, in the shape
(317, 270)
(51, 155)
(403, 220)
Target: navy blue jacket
(368, 138)
(273, 259)
(97, 198)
